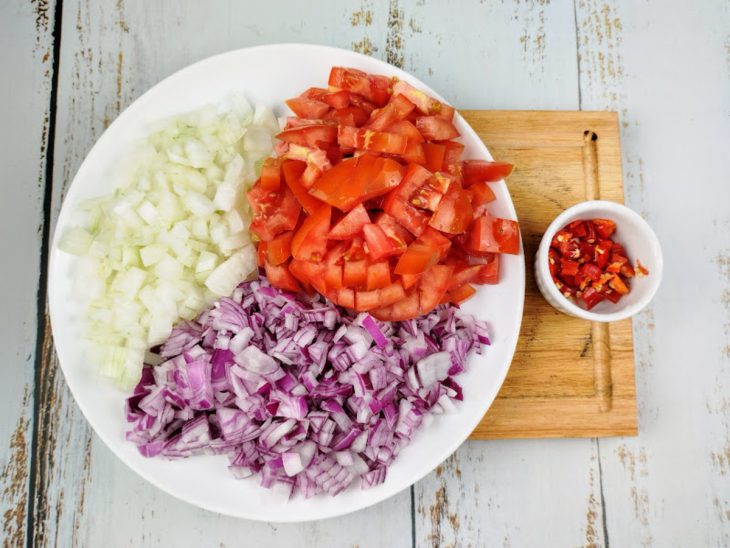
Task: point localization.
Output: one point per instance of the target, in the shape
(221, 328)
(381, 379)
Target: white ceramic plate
(268, 74)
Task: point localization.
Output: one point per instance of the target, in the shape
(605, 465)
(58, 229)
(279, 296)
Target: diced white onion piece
(224, 279)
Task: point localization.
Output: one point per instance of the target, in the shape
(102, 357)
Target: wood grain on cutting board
(558, 384)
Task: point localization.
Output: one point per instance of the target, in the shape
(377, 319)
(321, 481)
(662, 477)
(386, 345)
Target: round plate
(269, 74)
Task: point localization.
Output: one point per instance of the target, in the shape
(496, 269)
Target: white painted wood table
(68, 67)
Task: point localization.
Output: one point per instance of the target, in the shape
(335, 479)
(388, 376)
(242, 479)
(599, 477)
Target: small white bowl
(633, 233)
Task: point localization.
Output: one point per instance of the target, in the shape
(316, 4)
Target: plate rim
(62, 219)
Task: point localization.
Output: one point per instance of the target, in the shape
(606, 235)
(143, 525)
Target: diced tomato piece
(351, 224)
(315, 93)
(309, 273)
(397, 109)
(349, 116)
(391, 294)
(337, 99)
(406, 308)
(507, 234)
(307, 108)
(274, 212)
(310, 241)
(433, 286)
(434, 128)
(460, 294)
(371, 140)
(591, 297)
(279, 276)
(271, 174)
(481, 236)
(366, 300)
(409, 280)
(384, 313)
(407, 129)
(360, 102)
(356, 250)
(475, 171)
(417, 258)
(355, 274)
(480, 195)
(278, 250)
(261, 254)
(434, 156)
(454, 213)
(346, 297)
(374, 88)
(605, 228)
(356, 180)
(489, 274)
(333, 277)
(379, 245)
(452, 153)
(407, 216)
(464, 274)
(378, 275)
(315, 135)
(414, 153)
(424, 103)
(393, 229)
(293, 171)
(435, 239)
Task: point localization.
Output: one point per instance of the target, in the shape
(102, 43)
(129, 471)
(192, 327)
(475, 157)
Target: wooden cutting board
(569, 377)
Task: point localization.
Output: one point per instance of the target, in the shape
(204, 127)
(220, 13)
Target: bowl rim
(541, 261)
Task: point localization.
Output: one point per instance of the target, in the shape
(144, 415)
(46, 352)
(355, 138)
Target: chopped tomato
(348, 116)
(271, 174)
(379, 245)
(407, 232)
(315, 135)
(480, 195)
(454, 213)
(351, 224)
(409, 280)
(274, 212)
(310, 241)
(356, 180)
(406, 308)
(371, 140)
(425, 103)
(434, 153)
(307, 108)
(278, 250)
(293, 171)
(435, 128)
(355, 274)
(433, 285)
(333, 277)
(378, 275)
(460, 294)
(279, 276)
(452, 153)
(417, 258)
(397, 109)
(476, 171)
(337, 99)
(372, 87)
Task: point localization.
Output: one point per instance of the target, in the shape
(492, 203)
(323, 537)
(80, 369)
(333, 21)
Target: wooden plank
(26, 63)
(671, 485)
(110, 54)
(555, 386)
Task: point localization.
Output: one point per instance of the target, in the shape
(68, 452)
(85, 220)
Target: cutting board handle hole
(590, 135)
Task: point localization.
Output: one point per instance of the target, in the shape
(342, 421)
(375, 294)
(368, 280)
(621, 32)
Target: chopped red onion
(304, 394)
